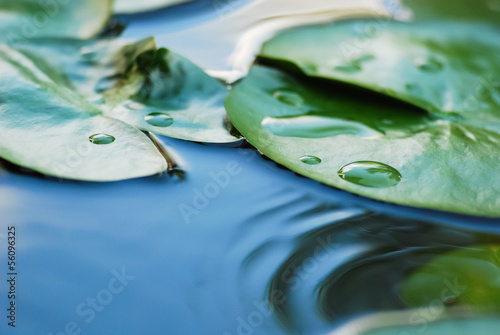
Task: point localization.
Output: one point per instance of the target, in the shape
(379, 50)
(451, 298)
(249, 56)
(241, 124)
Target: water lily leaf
(134, 6)
(152, 89)
(26, 19)
(439, 66)
(368, 144)
(53, 130)
(465, 277)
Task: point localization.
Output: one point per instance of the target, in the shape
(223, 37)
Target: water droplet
(348, 68)
(135, 105)
(101, 139)
(289, 97)
(428, 64)
(310, 160)
(159, 119)
(305, 126)
(370, 174)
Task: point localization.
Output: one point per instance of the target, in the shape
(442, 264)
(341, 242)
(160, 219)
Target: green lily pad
(26, 19)
(445, 67)
(368, 144)
(152, 89)
(134, 6)
(466, 277)
(51, 129)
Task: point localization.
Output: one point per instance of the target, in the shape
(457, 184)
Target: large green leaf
(51, 129)
(152, 89)
(428, 159)
(26, 19)
(439, 66)
(466, 277)
(134, 6)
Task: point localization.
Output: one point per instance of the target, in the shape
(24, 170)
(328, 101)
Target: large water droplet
(428, 64)
(316, 127)
(159, 119)
(101, 139)
(370, 174)
(289, 97)
(310, 160)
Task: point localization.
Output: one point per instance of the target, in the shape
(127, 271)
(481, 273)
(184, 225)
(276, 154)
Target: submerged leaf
(152, 89)
(364, 143)
(439, 66)
(134, 6)
(26, 19)
(51, 129)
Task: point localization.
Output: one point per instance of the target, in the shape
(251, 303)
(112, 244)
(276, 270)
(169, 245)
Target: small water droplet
(135, 105)
(159, 119)
(370, 174)
(101, 139)
(428, 64)
(289, 97)
(310, 160)
(88, 54)
(348, 68)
